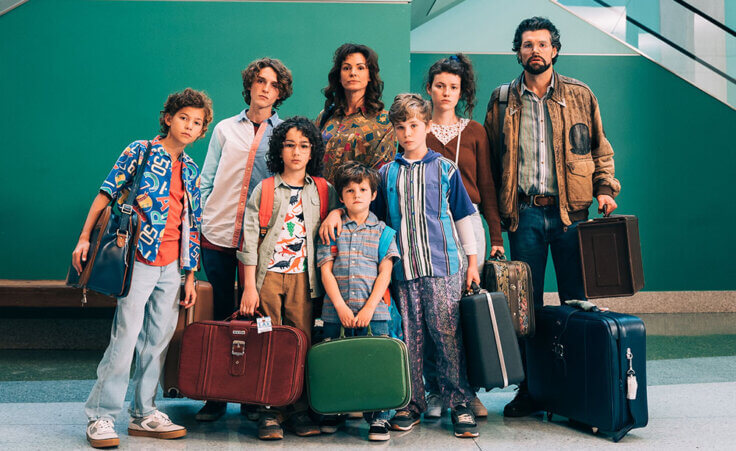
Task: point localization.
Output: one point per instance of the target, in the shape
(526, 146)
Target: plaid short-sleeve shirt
(356, 260)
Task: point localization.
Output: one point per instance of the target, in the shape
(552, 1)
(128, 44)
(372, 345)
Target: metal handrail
(672, 44)
(705, 16)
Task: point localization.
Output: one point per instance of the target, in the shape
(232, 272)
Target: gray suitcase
(491, 347)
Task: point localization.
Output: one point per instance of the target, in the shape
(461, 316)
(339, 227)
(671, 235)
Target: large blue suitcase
(590, 366)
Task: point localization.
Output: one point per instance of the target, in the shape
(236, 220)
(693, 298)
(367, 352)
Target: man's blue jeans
(540, 229)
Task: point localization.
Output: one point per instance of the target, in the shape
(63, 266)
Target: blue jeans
(332, 330)
(541, 229)
(144, 323)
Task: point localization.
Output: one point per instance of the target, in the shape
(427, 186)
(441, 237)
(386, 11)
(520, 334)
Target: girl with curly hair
(280, 272)
(354, 125)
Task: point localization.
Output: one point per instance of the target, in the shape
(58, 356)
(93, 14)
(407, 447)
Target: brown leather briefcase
(610, 254)
(230, 361)
(202, 310)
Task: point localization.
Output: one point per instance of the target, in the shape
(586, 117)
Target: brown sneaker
(302, 425)
(269, 427)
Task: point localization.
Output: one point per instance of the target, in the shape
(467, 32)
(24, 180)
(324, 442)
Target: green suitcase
(358, 374)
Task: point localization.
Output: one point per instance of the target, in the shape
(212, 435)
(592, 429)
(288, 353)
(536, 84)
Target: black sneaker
(404, 420)
(379, 431)
(211, 411)
(329, 424)
(463, 422)
(269, 427)
(302, 425)
(250, 411)
(522, 405)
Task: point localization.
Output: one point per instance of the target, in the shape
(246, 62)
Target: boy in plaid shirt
(356, 271)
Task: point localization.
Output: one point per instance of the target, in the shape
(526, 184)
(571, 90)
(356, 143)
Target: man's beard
(536, 69)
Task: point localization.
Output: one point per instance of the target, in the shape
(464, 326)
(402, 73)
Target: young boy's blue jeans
(144, 323)
(332, 330)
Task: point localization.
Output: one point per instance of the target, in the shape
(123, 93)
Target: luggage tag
(631, 385)
(263, 324)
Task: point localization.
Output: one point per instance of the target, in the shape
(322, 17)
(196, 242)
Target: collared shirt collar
(430, 155)
(550, 88)
(157, 147)
(278, 181)
(370, 221)
(244, 117)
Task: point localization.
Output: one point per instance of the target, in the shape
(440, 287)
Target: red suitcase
(230, 361)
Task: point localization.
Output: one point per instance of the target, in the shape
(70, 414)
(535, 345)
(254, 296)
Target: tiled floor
(692, 404)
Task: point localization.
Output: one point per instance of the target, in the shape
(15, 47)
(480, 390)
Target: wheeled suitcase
(590, 366)
(358, 374)
(491, 347)
(610, 252)
(230, 361)
(202, 310)
(514, 279)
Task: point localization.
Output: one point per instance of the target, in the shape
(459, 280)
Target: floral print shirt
(368, 139)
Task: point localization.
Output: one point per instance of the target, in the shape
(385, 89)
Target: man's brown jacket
(583, 155)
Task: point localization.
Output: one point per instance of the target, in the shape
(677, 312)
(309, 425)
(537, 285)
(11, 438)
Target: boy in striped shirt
(422, 196)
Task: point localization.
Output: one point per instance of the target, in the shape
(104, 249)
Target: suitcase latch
(238, 348)
(559, 350)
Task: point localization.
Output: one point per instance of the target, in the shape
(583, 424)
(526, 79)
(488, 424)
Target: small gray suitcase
(491, 347)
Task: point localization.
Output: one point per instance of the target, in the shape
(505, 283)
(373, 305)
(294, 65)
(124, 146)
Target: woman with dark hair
(450, 83)
(354, 125)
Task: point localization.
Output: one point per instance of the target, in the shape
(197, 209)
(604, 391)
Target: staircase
(694, 39)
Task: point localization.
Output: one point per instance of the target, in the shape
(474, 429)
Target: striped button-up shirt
(356, 260)
(536, 154)
(421, 201)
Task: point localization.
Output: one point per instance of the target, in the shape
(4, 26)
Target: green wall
(674, 157)
(79, 80)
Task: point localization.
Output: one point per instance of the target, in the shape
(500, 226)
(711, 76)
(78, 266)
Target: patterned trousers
(431, 312)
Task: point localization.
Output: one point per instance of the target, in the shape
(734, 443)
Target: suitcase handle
(498, 257)
(236, 314)
(474, 289)
(342, 331)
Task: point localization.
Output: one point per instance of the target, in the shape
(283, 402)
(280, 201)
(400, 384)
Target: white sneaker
(101, 433)
(156, 425)
(434, 406)
(479, 410)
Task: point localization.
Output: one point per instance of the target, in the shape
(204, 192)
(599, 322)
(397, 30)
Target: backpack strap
(387, 237)
(265, 210)
(324, 196)
(503, 102)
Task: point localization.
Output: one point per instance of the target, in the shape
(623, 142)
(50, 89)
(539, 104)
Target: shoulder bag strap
(126, 209)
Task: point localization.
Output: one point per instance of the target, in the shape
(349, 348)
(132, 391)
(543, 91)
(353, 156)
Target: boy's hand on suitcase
(250, 301)
(473, 275)
(190, 291)
(364, 316)
(346, 316)
(497, 251)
